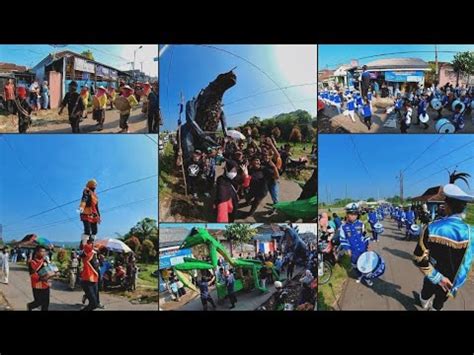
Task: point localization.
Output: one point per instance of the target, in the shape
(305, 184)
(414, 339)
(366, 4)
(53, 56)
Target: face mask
(92, 188)
(231, 175)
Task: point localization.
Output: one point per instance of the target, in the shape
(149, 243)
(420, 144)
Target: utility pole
(346, 193)
(401, 186)
(327, 195)
(436, 64)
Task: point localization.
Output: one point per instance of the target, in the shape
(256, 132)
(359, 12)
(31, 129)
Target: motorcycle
(115, 278)
(324, 266)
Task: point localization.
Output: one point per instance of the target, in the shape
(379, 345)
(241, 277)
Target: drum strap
(21, 109)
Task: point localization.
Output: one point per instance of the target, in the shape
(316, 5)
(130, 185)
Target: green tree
(134, 244)
(148, 251)
(144, 229)
(254, 122)
(463, 62)
(371, 199)
(239, 233)
(88, 54)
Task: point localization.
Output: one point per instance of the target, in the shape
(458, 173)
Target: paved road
(60, 124)
(18, 293)
(379, 118)
(396, 289)
(245, 301)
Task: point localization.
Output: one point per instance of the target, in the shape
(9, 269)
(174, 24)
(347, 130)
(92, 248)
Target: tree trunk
(457, 78)
(230, 247)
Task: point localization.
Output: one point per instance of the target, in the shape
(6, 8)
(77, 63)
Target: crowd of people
(24, 100)
(410, 107)
(252, 170)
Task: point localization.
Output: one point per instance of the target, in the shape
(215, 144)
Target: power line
(360, 158)
(77, 200)
(423, 152)
(52, 224)
(253, 65)
(268, 106)
(148, 136)
(444, 169)
(442, 156)
(267, 91)
(35, 181)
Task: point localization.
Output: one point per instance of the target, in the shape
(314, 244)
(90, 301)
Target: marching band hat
(456, 193)
(352, 207)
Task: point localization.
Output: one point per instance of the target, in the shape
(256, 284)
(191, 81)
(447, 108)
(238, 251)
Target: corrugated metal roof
(398, 63)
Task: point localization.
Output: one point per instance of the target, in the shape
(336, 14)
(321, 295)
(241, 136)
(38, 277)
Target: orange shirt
(88, 272)
(35, 265)
(9, 92)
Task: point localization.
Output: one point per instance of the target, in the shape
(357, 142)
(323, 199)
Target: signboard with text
(83, 65)
(404, 76)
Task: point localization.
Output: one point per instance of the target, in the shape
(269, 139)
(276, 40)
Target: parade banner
(102, 71)
(83, 65)
(404, 76)
(174, 257)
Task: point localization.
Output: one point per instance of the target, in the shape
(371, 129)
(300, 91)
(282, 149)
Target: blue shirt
(350, 105)
(367, 111)
(372, 217)
(352, 238)
(204, 288)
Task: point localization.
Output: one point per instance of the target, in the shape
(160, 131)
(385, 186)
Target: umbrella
(235, 134)
(44, 242)
(114, 245)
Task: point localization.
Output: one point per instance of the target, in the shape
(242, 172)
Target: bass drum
(436, 104)
(122, 104)
(444, 126)
(371, 265)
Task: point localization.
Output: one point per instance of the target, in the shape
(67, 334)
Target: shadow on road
(388, 289)
(400, 253)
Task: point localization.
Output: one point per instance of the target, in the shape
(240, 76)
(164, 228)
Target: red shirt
(88, 272)
(34, 266)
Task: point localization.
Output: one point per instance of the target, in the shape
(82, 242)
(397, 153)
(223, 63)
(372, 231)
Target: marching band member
(367, 112)
(409, 220)
(337, 102)
(23, 110)
(445, 249)
(100, 105)
(458, 118)
(353, 239)
(405, 122)
(401, 217)
(351, 107)
(372, 220)
(422, 107)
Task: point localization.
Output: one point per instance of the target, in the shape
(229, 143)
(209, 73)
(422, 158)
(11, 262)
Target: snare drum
(444, 126)
(456, 102)
(371, 265)
(415, 230)
(378, 228)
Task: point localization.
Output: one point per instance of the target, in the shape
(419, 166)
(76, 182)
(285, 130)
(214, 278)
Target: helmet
(278, 284)
(352, 207)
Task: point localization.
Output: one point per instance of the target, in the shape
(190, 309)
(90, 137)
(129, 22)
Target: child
(405, 122)
(23, 111)
(458, 118)
(350, 107)
(367, 112)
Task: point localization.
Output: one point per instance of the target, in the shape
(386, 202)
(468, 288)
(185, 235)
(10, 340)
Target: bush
(276, 132)
(255, 133)
(148, 250)
(295, 135)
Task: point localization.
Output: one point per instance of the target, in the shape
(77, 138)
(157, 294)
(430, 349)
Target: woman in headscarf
(226, 194)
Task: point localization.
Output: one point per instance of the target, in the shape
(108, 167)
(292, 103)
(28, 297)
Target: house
(432, 197)
(447, 75)
(60, 68)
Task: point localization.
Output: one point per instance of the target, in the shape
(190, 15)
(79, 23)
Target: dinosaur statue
(203, 115)
(200, 236)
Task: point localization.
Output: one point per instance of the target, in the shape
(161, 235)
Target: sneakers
(84, 297)
(359, 279)
(369, 282)
(426, 304)
(100, 306)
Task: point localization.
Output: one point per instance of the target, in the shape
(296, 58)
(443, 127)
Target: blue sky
(332, 56)
(384, 156)
(190, 68)
(118, 56)
(62, 164)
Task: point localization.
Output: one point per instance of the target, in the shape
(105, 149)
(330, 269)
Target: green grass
(166, 166)
(329, 293)
(145, 276)
(470, 214)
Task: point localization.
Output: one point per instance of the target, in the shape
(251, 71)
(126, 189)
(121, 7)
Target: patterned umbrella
(113, 245)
